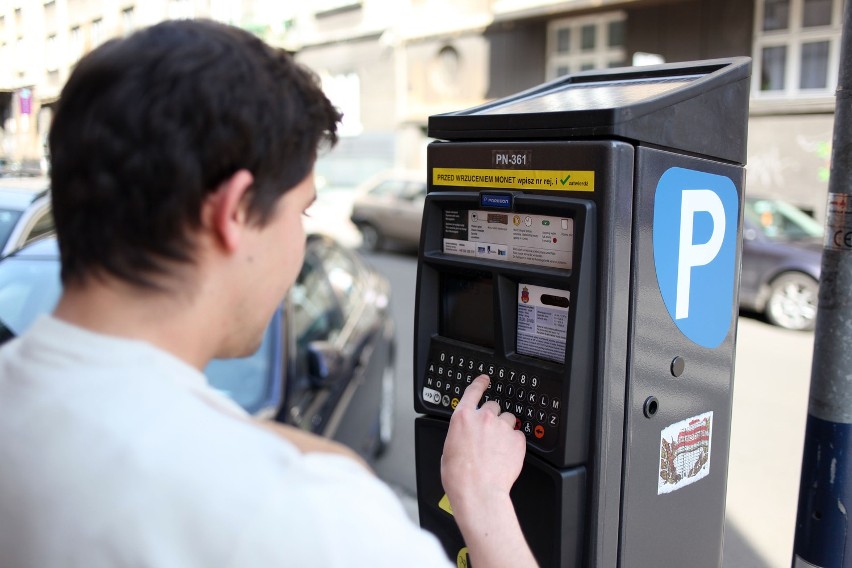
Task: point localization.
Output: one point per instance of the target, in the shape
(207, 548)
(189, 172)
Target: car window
(8, 219)
(247, 380)
(28, 288)
(415, 190)
(42, 226)
(781, 220)
(390, 188)
(316, 312)
(344, 277)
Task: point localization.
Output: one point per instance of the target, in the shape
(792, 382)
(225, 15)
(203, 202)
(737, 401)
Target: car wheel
(371, 239)
(792, 301)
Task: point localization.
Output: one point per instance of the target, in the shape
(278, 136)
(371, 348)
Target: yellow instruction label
(557, 180)
(444, 504)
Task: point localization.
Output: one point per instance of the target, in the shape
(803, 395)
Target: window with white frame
(76, 45)
(96, 32)
(344, 91)
(796, 48)
(128, 20)
(51, 52)
(20, 53)
(578, 44)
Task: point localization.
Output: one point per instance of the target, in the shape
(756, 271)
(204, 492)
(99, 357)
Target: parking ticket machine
(581, 245)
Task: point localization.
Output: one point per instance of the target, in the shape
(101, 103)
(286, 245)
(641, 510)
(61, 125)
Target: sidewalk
(767, 436)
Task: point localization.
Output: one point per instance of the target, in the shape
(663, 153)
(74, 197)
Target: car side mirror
(325, 362)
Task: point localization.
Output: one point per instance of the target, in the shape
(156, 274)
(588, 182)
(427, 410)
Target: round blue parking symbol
(695, 244)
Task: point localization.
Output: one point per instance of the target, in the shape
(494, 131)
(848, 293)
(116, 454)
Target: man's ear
(225, 212)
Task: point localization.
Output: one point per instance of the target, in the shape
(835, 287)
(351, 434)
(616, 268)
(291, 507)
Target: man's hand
(483, 456)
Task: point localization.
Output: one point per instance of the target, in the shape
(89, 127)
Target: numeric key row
(475, 369)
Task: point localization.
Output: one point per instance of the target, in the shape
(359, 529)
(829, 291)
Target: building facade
(390, 64)
(413, 58)
(41, 40)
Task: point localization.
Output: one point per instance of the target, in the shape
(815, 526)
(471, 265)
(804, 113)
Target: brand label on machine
(685, 452)
(543, 240)
(695, 244)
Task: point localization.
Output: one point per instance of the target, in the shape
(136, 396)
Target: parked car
(389, 207)
(25, 212)
(782, 254)
(326, 361)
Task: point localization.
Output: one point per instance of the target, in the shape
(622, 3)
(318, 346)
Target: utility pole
(822, 525)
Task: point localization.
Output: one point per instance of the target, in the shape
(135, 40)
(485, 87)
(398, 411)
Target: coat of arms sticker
(685, 452)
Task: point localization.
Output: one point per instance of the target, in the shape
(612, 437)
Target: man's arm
(483, 456)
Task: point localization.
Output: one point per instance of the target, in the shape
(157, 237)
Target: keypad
(527, 393)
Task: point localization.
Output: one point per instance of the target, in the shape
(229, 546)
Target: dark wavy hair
(148, 125)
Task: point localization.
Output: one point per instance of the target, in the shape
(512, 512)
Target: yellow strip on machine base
(555, 180)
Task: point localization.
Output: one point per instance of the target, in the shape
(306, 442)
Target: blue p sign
(695, 234)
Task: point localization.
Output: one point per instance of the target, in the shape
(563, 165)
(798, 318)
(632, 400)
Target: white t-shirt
(115, 453)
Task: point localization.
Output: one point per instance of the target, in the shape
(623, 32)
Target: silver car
(25, 211)
(389, 207)
(782, 254)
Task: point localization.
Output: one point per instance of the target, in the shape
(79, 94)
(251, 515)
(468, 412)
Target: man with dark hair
(182, 161)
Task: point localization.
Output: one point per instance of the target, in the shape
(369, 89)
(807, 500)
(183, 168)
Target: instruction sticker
(838, 222)
(559, 180)
(685, 452)
(543, 240)
(542, 322)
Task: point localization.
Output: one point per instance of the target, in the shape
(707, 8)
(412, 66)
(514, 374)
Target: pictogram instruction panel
(542, 240)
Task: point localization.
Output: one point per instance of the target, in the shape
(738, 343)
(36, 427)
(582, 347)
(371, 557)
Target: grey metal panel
(616, 222)
(684, 527)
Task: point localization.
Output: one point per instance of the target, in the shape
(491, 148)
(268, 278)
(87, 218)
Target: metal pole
(822, 524)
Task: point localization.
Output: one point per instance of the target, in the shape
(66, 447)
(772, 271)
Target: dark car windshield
(8, 218)
(31, 287)
(779, 220)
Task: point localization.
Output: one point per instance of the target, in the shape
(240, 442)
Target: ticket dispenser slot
(577, 238)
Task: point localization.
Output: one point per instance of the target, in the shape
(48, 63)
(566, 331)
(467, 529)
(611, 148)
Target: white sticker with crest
(685, 452)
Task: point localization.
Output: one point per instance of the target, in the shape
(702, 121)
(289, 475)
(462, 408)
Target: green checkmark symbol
(564, 181)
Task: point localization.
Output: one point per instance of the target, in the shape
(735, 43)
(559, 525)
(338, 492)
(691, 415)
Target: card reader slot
(439, 259)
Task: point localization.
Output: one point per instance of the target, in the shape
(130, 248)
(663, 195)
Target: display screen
(467, 309)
